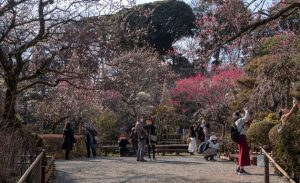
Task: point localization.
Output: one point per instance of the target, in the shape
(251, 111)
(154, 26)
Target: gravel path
(167, 169)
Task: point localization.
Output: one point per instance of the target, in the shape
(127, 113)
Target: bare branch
(282, 13)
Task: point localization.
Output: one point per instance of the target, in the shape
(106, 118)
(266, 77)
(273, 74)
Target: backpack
(235, 133)
(203, 147)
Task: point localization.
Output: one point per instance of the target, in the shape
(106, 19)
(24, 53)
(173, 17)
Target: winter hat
(213, 137)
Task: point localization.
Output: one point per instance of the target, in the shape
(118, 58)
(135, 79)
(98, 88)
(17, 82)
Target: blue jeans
(88, 149)
(141, 149)
(90, 144)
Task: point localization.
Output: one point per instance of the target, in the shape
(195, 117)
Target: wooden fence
(268, 159)
(40, 171)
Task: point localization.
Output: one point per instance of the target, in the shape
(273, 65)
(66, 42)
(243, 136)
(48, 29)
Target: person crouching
(123, 151)
(211, 148)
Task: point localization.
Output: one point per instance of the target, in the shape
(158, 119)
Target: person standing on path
(192, 138)
(134, 141)
(206, 131)
(201, 136)
(152, 138)
(90, 141)
(142, 135)
(243, 156)
(68, 140)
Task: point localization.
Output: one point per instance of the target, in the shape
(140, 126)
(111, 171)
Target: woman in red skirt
(244, 157)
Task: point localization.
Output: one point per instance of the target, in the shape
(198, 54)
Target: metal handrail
(269, 158)
(28, 171)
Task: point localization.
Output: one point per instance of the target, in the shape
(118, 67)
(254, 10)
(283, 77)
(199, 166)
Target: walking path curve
(166, 169)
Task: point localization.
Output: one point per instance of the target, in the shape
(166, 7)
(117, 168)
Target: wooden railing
(267, 159)
(40, 171)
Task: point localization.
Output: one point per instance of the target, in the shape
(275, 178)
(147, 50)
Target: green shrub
(286, 148)
(274, 135)
(108, 127)
(258, 132)
(272, 117)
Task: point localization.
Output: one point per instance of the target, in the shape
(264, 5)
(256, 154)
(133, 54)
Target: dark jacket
(201, 135)
(192, 133)
(123, 142)
(89, 134)
(68, 139)
(151, 131)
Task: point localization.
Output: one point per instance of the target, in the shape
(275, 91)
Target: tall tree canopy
(33, 47)
(157, 24)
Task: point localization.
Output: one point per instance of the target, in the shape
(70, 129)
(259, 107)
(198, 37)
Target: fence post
(267, 175)
(43, 163)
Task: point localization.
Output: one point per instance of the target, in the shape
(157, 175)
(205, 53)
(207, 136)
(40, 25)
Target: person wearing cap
(240, 121)
(211, 148)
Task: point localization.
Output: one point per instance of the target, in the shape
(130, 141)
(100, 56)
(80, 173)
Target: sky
(148, 1)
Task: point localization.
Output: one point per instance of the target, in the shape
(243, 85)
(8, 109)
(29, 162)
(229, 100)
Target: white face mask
(141, 120)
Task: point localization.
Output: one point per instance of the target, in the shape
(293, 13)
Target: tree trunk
(9, 114)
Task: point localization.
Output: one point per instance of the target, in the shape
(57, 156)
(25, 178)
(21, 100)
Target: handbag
(153, 138)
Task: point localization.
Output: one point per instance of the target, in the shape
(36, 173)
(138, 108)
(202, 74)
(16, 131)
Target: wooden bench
(253, 158)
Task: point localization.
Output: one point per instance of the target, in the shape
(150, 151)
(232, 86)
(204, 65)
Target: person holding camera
(240, 121)
(141, 134)
(285, 114)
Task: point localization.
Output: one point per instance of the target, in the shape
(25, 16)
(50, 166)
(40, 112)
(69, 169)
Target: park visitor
(122, 142)
(179, 132)
(68, 139)
(192, 140)
(90, 141)
(206, 131)
(285, 114)
(152, 138)
(142, 135)
(185, 132)
(211, 148)
(201, 136)
(134, 141)
(243, 148)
